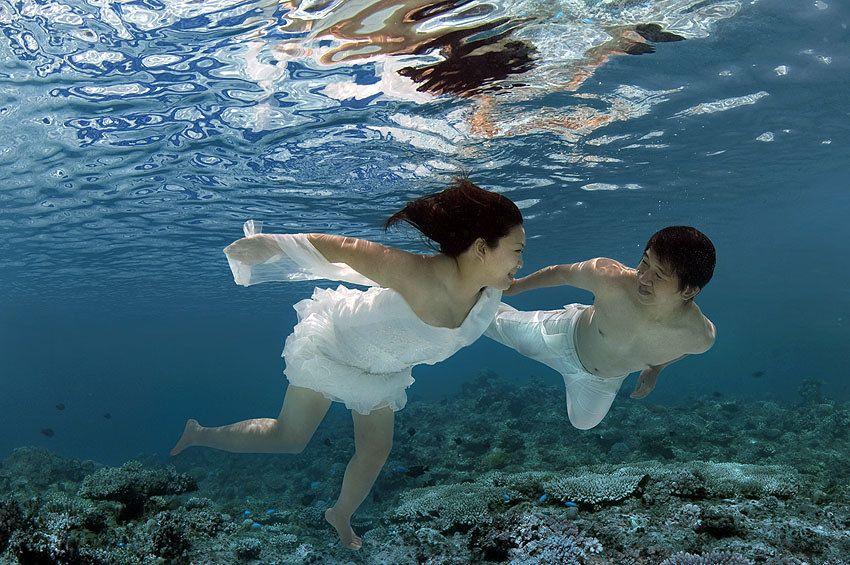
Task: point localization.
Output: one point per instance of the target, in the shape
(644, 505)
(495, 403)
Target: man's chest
(625, 334)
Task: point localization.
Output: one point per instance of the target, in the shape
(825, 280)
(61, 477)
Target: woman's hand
(253, 249)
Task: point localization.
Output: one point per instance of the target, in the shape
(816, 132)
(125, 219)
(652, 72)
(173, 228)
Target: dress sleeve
(298, 260)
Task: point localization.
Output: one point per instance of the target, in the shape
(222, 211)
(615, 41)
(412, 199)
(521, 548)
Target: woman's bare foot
(188, 437)
(343, 528)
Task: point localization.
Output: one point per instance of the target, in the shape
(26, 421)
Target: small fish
(270, 511)
(328, 442)
(411, 432)
(107, 415)
(416, 470)
(506, 497)
(47, 432)
(60, 406)
(543, 497)
(400, 469)
(757, 374)
(256, 526)
(247, 513)
(570, 504)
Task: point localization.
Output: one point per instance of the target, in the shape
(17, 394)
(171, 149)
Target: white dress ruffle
(353, 346)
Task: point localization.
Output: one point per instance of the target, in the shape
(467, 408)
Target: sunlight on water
(176, 116)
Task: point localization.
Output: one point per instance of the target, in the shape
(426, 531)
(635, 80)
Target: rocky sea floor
(493, 474)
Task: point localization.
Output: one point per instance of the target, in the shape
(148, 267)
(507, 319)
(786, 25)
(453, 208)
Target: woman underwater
(358, 347)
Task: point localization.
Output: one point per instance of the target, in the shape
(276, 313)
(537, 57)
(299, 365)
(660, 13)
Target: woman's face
(502, 262)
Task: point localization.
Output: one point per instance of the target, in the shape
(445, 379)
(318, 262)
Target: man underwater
(641, 319)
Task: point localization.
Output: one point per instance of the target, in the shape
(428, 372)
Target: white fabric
(391, 85)
(357, 347)
(548, 336)
(298, 260)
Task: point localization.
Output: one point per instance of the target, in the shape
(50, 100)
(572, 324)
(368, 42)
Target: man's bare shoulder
(702, 332)
(610, 267)
(615, 278)
(611, 273)
(595, 275)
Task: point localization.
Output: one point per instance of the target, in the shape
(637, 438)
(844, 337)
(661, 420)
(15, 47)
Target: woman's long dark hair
(455, 217)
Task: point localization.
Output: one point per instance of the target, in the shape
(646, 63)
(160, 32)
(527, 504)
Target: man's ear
(690, 292)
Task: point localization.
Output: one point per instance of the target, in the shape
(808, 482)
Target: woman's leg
(302, 412)
(373, 440)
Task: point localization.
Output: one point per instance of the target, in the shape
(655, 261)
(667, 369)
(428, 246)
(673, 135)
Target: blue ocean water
(137, 137)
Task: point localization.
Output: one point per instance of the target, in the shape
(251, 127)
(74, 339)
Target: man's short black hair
(687, 251)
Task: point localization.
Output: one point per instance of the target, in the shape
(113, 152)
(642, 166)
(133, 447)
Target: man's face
(657, 283)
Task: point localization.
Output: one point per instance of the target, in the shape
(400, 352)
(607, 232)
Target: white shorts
(548, 336)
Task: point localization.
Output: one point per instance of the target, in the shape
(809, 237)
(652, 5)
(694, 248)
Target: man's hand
(646, 382)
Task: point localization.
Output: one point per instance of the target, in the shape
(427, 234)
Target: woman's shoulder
(419, 277)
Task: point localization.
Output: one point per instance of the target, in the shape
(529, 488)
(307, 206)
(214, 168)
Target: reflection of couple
(419, 57)
(358, 347)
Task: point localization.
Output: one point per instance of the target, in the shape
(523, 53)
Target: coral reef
(247, 549)
(713, 558)
(484, 477)
(595, 488)
(133, 485)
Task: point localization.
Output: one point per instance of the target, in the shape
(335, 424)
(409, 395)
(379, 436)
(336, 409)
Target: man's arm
(670, 362)
(649, 376)
(587, 275)
(706, 338)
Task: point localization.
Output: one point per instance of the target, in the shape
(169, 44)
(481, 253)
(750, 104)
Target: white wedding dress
(356, 346)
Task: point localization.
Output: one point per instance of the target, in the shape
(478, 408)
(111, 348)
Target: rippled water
(126, 123)
(137, 136)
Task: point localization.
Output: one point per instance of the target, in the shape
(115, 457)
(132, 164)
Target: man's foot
(343, 528)
(188, 437)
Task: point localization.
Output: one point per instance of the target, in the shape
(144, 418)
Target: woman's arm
(385, 266)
